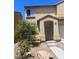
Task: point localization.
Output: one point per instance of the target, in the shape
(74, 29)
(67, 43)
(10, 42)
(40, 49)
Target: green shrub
(25, 34)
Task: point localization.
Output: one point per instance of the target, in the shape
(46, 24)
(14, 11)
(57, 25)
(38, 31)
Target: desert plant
(25, 30)
(25, 34)
(25, 46)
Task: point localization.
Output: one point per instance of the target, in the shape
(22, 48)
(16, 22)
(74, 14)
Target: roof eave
(43, 5)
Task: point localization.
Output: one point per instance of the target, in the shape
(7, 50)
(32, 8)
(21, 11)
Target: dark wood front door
(48, 30)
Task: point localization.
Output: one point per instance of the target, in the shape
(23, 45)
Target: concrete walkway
(58, 52)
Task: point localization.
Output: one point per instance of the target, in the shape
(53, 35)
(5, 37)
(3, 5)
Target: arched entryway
(48, 28)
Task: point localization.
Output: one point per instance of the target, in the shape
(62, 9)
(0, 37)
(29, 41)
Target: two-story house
(49, 19)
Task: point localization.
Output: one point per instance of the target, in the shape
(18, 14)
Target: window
(28, 12)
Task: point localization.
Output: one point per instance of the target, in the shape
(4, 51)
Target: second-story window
(28, 12)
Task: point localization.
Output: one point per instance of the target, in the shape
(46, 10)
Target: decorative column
(42, 32)
(56, 35)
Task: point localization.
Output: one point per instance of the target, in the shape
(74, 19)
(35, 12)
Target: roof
(17, 12)
(60, 2)
(44, 5)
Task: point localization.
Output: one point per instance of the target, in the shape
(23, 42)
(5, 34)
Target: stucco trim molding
(38, 21)
(54, 17)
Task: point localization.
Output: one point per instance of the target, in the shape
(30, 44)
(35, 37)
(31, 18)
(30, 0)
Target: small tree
(25, 30)
(25, 33)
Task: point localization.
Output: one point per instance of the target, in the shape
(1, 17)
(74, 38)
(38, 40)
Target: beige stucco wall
(61, 29)
(60, 10)
(40, 12)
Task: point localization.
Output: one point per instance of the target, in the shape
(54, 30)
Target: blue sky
(19, 4)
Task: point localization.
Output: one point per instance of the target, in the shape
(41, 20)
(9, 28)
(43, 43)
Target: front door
(48, 30)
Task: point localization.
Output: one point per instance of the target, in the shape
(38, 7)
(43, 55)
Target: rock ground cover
(36, 49)
(42, 47)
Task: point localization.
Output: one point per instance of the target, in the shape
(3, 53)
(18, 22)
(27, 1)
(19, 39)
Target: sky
(19, 4)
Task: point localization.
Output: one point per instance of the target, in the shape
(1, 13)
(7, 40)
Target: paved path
(58, 52)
